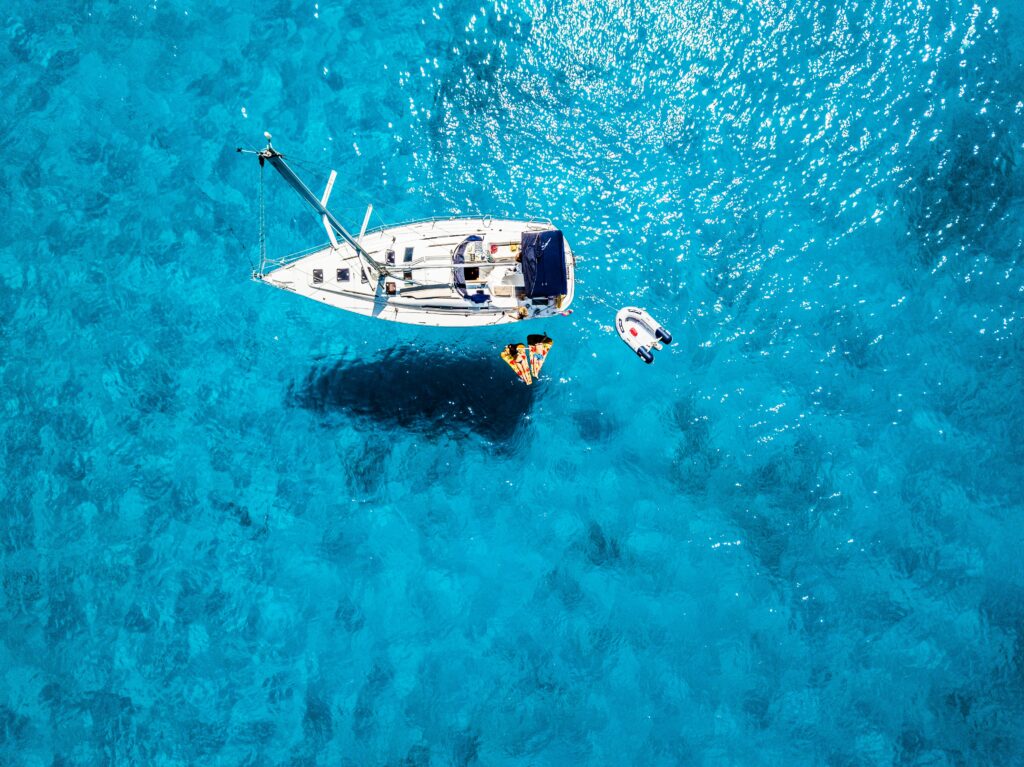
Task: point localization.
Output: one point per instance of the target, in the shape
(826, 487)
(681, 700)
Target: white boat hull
(641, 332)
(422, 288)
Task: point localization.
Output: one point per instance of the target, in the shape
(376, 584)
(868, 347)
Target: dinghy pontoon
(641, 332)
(454, 272)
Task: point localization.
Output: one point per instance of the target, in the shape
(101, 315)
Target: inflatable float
(515, 356)
(641, 332)
(539, 345)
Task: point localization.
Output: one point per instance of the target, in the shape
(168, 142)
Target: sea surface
(239, 528)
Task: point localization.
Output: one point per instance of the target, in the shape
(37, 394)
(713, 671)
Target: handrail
(459, 217)
(292, 257)
(297, 255)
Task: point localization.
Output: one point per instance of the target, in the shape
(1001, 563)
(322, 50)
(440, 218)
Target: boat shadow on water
(431, 391)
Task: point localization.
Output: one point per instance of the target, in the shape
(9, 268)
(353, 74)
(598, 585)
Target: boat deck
(421, 286)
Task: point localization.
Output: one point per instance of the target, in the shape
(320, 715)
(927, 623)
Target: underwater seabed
(447, 380)
(239, 528)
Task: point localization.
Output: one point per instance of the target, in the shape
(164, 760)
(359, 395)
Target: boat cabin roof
(543, 260)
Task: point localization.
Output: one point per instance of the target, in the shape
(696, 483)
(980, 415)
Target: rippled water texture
(238, 528)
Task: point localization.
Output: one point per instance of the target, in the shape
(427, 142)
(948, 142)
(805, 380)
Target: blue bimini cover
(460, 258)
(543, 258)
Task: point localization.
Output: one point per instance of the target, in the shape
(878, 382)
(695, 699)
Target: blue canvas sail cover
(543, 259)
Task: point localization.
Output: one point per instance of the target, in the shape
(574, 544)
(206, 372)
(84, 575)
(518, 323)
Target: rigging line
(241, 142)
(313, 171)
(316, 169)
(242, 246)
(304, 165)
(263, 226)
(380, 218)
(309, 166)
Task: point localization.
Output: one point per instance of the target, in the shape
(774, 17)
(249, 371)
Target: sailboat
(455, 271)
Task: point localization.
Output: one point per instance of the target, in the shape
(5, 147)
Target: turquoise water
(240, 529)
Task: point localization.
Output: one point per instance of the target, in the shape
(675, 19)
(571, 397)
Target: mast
(276, 159)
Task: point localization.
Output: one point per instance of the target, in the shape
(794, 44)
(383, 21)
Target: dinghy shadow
(431, 391)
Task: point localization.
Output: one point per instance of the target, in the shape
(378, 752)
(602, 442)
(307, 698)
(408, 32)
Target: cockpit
(469, 251)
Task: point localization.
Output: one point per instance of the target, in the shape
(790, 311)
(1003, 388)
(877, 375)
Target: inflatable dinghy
(640, 332)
